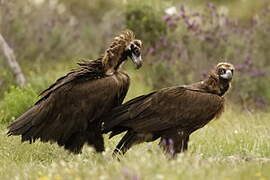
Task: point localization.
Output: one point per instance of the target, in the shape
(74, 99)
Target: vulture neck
(114, 66)
(121, 61)
(213, 85)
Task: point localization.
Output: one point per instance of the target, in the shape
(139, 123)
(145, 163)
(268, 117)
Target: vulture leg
(128, 140)
(75, 142)
(174, 142)
(95, 138)
(185, 143)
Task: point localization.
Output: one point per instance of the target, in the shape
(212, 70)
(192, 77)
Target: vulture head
(133, 51)
(122, 48)
(219, 80)
(225, 72)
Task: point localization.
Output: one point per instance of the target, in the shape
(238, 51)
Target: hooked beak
(136, 60)
(228, 75)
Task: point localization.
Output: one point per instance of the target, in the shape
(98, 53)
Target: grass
(234, 147)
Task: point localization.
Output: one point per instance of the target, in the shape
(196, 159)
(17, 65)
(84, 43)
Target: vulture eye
(137, 51)
(222, 71)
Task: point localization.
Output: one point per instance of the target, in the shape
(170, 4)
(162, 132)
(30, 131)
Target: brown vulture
(171, 114)
(69, 111)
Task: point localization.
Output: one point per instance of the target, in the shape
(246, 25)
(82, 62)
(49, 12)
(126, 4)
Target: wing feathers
(164, 109)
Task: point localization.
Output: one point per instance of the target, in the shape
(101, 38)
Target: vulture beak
(227, 75)
(136, 60)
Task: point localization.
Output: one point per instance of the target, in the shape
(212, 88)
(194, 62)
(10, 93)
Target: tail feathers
(27, 124)
(33, 133)
(125, 143)
(18, 129)
(22, 124)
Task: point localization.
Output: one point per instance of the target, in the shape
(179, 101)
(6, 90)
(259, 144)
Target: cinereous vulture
(69, 111)
(170, 114)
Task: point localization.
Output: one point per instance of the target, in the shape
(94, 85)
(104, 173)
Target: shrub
(145, 21)
(15, 102)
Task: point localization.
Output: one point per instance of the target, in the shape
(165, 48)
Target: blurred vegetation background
(182, 40)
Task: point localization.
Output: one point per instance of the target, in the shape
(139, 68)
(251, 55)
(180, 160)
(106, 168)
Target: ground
(236, 146)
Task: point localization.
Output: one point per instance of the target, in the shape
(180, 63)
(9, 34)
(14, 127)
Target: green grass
(236, 146)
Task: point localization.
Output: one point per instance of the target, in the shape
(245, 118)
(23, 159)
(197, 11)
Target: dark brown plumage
(69, 110)
(171, 114)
